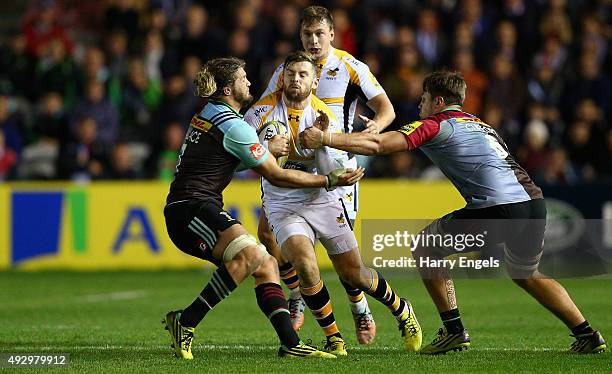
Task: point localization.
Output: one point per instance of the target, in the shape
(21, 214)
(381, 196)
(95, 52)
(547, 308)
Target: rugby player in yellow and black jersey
(343, 81)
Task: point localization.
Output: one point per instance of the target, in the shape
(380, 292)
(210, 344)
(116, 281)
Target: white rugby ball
(271, 129)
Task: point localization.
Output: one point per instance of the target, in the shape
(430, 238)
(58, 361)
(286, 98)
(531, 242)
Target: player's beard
(298, 96)
(244, 99)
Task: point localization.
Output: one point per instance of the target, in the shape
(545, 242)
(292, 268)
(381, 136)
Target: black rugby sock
(452, 321)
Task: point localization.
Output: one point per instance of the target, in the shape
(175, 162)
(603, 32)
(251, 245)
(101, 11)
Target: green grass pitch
(110, 322)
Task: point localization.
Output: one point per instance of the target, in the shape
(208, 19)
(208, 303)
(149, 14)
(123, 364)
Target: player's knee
(308, 271)
(269, 262)
(251, 258)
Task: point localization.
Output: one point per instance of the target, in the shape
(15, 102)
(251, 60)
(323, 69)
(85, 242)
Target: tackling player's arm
(409, 137)
(270, 170)
(242, 142)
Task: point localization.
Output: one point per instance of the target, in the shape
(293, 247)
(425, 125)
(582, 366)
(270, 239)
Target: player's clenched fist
(312, 138)
(279, 146)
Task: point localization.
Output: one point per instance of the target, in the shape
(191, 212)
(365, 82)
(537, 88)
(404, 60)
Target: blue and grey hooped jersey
(473, 156)
(217, 143)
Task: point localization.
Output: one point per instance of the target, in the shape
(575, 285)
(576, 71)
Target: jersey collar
(219, 102)
(454, 108)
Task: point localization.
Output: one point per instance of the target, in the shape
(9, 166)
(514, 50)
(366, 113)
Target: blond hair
(216, 74)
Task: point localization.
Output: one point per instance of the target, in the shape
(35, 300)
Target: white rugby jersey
(272, 107)
(342, 80)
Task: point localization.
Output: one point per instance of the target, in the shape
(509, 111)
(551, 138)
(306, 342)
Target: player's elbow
(391, 112)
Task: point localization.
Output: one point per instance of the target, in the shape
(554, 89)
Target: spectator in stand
(553, 54)
(141, 97)
(178, 103)
(117, 52)
(165, 160)
(56, 72)
(583, 149)
(41, 26)
(474, 78)
(591, 84)
(557, 170)
(16, 68)
(506, 88)
(464, 37)
(85, 158)
(98, 107)
(123, 15)
(122, 165)
(200, 39)
(345, 37)
(545, 87)
(534, 154)
(430, 41)
(555, 22)
(51, 120)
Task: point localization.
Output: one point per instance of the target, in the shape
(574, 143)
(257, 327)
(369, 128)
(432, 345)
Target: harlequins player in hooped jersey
(217, 143)
(500, 198)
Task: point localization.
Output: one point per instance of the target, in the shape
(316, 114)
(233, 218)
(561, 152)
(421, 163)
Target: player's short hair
(316, 14)
(215, 75)
(449, 85)
(300, 56)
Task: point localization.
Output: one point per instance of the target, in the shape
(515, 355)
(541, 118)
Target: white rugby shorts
(326, 222)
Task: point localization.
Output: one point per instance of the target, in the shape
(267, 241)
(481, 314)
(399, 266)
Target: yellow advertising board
(113, 225)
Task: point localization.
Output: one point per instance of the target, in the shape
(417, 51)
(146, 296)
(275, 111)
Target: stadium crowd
(104, 89)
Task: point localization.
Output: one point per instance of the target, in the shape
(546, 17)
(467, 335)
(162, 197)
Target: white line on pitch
(122, 295)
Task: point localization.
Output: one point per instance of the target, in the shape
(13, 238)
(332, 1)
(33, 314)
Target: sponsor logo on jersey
(348, 196)
(340, 219)
(295, 166)
(292, 117)
(203, 247)
(258, 111)
(409, 128)
(200, 124)
(257, 150)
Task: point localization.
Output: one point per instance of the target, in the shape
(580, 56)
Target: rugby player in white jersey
(299, 217)
(343, 81)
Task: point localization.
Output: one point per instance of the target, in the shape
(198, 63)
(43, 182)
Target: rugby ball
(271, 129)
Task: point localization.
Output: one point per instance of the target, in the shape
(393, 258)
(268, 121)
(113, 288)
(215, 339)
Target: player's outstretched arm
(270, 170)
(357, 143)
